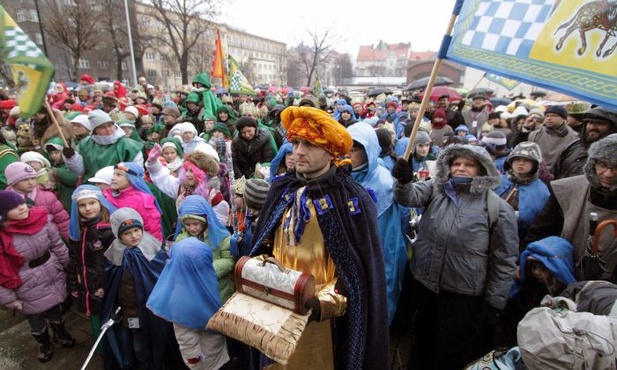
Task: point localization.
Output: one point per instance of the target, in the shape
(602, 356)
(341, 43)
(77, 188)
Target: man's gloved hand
(68, 152)
(402, 171)
(489, 316)
(315, 307)
(155, 153)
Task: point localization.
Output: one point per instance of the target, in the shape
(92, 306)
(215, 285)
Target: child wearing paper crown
(90, 236)
(32, 264)
(137, 260)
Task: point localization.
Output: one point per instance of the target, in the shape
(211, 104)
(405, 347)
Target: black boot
(46, 349)
(62, 336)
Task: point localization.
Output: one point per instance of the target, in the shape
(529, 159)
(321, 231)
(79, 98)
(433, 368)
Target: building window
(20, 15)
(165, 73)
(123, 66)
(151, 73)
(177, 74)
(150, 56)
(103, 64)
(84, 63)
(38, 38)
(144, 19)
(33, 16)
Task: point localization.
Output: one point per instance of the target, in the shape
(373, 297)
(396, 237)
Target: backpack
(562, 339)
(492, 203)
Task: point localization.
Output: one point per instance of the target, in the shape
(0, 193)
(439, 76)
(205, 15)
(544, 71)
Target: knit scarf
(561, 130)
(10, 260)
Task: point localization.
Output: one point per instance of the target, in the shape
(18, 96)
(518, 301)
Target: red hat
(86, 77)
(110, 94)
(7, 104)
(142, 109)
(77, 107)
(439, 113)
(392, 103)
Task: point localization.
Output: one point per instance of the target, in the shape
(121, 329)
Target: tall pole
(128, 26)
(38, 15)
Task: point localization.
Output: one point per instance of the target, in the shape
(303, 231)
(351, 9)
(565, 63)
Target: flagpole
(431, 81)
(128, 27)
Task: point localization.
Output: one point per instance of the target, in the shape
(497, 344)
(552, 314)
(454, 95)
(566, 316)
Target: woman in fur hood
(463, 260)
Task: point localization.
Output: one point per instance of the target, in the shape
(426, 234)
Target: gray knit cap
(422, 137)
(255, 193)
(525, 149)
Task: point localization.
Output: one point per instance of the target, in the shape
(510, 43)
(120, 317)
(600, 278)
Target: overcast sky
(423, 23)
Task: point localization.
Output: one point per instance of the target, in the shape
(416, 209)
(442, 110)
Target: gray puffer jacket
(457, 250)
(43, 286)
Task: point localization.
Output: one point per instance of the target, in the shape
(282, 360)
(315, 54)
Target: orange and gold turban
(318, 127)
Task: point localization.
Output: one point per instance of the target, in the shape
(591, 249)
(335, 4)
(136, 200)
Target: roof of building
(382, 51)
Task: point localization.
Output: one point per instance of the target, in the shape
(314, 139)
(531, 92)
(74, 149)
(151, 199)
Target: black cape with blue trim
(351, 237)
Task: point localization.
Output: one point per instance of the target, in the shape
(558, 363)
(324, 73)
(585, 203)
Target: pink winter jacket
(48, 200)
(143, 203)
(43, 286)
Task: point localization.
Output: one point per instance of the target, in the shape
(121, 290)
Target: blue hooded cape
(279, 158)
(378, 180)
(556, 254)
(74, 232)
(197, 205)
(187, 290)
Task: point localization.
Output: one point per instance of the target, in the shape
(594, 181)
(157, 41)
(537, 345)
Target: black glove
(315, 306)
(68, 152)
(489, 316)
(402, 171)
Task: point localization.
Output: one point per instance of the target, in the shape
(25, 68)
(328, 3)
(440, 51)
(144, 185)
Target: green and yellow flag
(238, 84)
(32, 71)
(317, 88)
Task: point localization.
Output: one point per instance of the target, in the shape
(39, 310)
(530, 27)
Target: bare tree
(74, 26)
(183, 23)
(114, 25)
(317, 51)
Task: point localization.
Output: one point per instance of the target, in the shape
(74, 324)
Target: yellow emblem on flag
(32, 71)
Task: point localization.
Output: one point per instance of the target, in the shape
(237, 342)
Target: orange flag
(218, 64)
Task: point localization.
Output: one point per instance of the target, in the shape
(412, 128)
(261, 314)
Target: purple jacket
(43, 286)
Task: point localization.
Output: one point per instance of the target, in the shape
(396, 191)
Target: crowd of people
(145, 199)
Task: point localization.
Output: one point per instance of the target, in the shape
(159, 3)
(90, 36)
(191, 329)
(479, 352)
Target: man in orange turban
(319, 220)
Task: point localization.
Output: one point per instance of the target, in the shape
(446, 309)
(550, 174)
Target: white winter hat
(82, 119)
(103, 175)
(207, 149)
(133, 110)
(35, 157)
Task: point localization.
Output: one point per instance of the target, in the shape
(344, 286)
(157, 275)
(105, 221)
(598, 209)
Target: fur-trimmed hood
(204, 162)
(601, 149)
(52, 129)
(479, 184)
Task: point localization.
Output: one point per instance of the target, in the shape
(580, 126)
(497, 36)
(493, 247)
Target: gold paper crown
(239, 185)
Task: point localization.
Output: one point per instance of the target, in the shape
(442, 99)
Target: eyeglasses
(604, 166)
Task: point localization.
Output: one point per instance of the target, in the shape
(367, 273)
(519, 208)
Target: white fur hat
(35, 157)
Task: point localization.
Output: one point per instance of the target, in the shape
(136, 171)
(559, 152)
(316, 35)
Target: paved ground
(18, 348)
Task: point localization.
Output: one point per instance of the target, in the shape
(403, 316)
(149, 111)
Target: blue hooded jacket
(377, 180)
